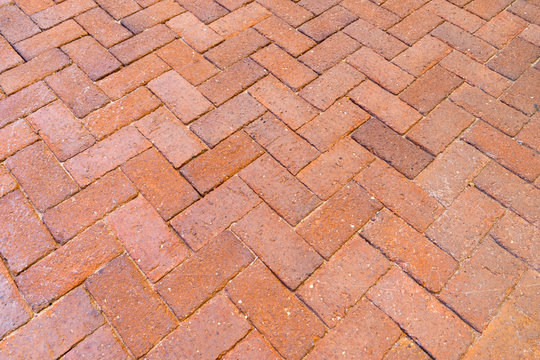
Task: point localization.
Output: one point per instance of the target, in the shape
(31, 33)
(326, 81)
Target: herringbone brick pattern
(269, 179)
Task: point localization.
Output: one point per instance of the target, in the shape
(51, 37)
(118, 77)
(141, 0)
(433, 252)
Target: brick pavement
(269, 179)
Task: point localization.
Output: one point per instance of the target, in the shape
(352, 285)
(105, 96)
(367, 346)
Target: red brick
(14, 137)
(388, 108)
(331, 85)
(374, 38)
(76, 90)
(184, 100)
(329, 52)
(441, 180)
(506, 151)
(228, 118)
(327, 23)
(143, 43)
(36, 69)
(482, 283)
(205, 10)
(106, 155)
(236, 48)
(232, 5)
(103, 27)
(526, 10)
(519, 237)
(338, 284)
(463, 41)
(219, 261)
(380, 70)
(370, 12)
(317, 6)
(287, 10)
(524, 94)
(118, 8)
(165, 131)
(102, 344)
(46, 280)
(327, 128)
(207, 218)
(510, 190)
(490, 109)
(406, 349)
(55, 330)
(152, 15)
(285, 36)
(25, 238)
(465, 223)
(239, 20)
(131, 77)
(525, 294)
(487, 9)
(15, 25)
(252, 346)
(284, 67)
(211, 331)
(422, 316)
(33, 6)
(62, 11)
(194, 32)
(15, 312)
(67, 219)
(528, 134)
(411, 250)
(91, 57)
(126, 298)
(284, 145)
(150, 242)
(366, 333)
(415, 26)
(403, 155)
(8, 56)
(402, 196)
(282, 319)
(43, 179)
(531, 34)
(456, 15)
(262, 230)
(501, 29)
(7, 183)
(515, 58)
(425, 53)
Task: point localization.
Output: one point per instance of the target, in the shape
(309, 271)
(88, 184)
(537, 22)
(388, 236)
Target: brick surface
(15, 137)
(252, 346)
(101, 344)
(285, 36)
(329, 52)
(103, 27)
(7, 183)
(236, 47)
(464, 41)
(523, 95)
(24, 102)
(15, 311)
(194, 32)
(514, 58)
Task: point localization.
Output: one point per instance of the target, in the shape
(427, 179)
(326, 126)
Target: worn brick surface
(269, 179)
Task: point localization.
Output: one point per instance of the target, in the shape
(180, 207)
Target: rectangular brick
(419, 257)
(215, 327)
(327, 23)
(425, 53)
(119, 9)
(287, 10)
(46, 280)
(116, 149)
(405, 348)
(285, 36)
(122, 291)
(219, 261)
(55, 330)
(317, 6)
(207, 218)
(205, 10)
(7, 183)
(226, 119)
(421, 315)
(329, 52)
(487, 9)
(102, 342)
(371, 12)
(8, 56)
(194, 32)
(61, 131)
(24, 102)
(217, 165)
(501, 29)
(263, 230)
(32, 6)
(184, 100)
(15, 310)
(464, 41)
(165, 131)
(282, 191)
(152, 15)
(465, 223)
(103, 27)
(326, 174)
(388, 108)
(15, 137)
(531, 34)
(15, 25)
(456, 15)
(289, 107)
(403, 155)
(526, 10)
(239, 19)
(253, 346)
(235, 48)
(120, 113)
(524, 93)
(415, 26)
(494, 112)
(283, 319)
(412, 204)
(61, 11)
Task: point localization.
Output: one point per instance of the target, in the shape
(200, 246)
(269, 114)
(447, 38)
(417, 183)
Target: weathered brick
(338, 284)
(205, 10)
(329, 52)
(15, 25)
(207, 218)
(33, 6)
(235, 48)
(103, 27)
(425, 53)
(101, 344)
(7, 183)
(283, 319)
(262, 230)
(487, 9)
(119, 9)
(317, 6)
(402, 196)
(327, 23)
(411, 250)
(531, 34)
(68, 218)
(239, 20)
(422, 316)
(285, 36)
(287, 10)
(48, 279)
(212, 330)
(252, 346)
(463, 225)
(15, 312)
(152, 15)
(8, 56)
(501, 29)
(455, 14)
(524, 94)
(61, 11)
(55, 330)
(464, 41)
(126, 298)
(106, 155)
(515, 58)
(525, 9)
(415, 26)
(14, 137)
(91, 57)
(370, 12)
(194, 32)
(406, 349)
